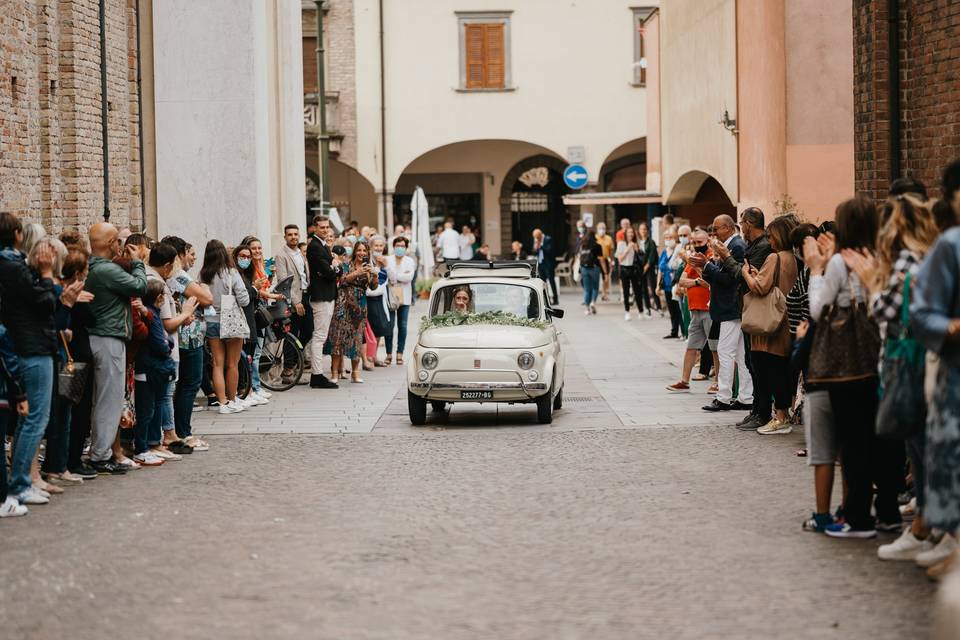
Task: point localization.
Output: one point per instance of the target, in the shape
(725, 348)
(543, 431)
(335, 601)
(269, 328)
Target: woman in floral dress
(350, 312)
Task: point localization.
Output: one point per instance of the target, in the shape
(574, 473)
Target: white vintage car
(490, 337)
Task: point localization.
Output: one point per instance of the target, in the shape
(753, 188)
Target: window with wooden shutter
(484, 58)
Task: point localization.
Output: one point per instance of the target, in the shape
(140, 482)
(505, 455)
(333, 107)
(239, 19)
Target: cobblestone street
(634, 514)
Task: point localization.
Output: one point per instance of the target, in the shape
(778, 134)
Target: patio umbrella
(420, 234)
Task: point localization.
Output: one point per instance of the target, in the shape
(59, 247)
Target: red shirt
(698, 297)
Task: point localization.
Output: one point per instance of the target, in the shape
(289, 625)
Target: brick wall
(929, 91)
(51, 167)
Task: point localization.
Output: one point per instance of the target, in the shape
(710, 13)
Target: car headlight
(533, 375)
(429, 360)
(423, 375)
(526, 360)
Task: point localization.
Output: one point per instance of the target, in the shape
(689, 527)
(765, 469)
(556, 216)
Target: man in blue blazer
(725, 309)
(546, 261)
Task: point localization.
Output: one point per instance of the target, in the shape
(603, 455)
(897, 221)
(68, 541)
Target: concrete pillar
(229, 123)
(385, 213)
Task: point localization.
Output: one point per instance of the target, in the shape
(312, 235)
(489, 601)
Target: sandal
(699, 377)
(801, 453)
(179, 447)
(399, 359)
(388, 361)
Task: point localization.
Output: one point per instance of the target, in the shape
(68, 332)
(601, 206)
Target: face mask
(684, 240)
(377, 254)
(580, 230)
(601, 232)
(348, 251)
(352, 239)
(702, 249)
(243, 263)
(670, 244)
(400, 251)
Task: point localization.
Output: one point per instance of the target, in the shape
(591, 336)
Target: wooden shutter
(473, 37)
(495, 60)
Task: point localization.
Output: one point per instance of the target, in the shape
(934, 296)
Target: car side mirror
(556, 313)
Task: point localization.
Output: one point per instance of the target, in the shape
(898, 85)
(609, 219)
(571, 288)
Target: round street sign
(575, 176)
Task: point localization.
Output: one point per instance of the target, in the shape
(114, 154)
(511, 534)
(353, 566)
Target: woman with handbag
(243, 258)
(226, 325)
(843, 359)
(770, 350)
(665, 281)
(908, 230)
(350, 313)
(401, 269)
(589, 259)
(378, 313)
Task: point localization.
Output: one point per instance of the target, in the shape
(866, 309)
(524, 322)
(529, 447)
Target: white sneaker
(941, 552)
(626, 316)
(263, 393)
(11, 508)
(906, 547)
(238, 404)
(586, 311)
(43, 492)
(149, 459)
(229, 408)
(32, 496)
(257, 398)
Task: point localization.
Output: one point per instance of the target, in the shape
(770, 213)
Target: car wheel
(438, 405)
(417, 408)
(545, 409)
(558, 401)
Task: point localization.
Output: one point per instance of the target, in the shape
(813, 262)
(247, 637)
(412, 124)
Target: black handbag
(72, 377)
(846, 346)
(263, 317)
(902, 412)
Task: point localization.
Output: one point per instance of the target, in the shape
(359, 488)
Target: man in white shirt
(449, 242)
(466, 243)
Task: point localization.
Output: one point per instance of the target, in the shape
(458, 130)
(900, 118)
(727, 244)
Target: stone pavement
(656, 526)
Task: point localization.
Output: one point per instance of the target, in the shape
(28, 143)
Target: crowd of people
(107, 340)
(850, 328)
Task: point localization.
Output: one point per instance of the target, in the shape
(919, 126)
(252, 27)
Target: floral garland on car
(456, 319)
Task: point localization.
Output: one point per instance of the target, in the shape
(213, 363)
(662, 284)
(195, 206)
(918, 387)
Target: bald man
(112, 288)
(725, 309)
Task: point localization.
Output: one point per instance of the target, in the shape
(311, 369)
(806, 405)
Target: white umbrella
(421, 248)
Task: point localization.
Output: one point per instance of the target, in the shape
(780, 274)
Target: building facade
(51, 133)
(756, 106)
(918, 132)
(481, 103)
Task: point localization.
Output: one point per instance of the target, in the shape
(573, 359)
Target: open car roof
(524, 269)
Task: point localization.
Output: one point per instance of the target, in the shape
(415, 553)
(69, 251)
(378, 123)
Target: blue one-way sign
(575, 176)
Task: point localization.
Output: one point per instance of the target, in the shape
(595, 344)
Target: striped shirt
(798, 304)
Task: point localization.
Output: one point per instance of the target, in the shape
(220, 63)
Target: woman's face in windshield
(461, 301)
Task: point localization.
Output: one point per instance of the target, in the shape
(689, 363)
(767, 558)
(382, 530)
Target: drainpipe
(143, 190)
(893, 55)
(103, 110)
(323, 140)
(383, 129)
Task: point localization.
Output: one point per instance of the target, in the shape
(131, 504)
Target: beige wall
(697, 82)
(819, 63)
(761, 94)
(654, 177)
(571, 65)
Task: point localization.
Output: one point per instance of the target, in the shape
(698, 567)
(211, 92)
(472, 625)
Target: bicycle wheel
(244, 379)
(281, 363)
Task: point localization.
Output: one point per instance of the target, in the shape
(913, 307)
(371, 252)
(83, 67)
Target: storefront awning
(613, 197)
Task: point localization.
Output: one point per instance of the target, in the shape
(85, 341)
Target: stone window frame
(485, 17)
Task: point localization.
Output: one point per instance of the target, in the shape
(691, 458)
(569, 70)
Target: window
(484, 51)
(520, 300)
(640, 17)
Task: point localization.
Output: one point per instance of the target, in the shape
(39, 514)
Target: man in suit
(289, 261)
(725, 309)
(546, 261)
(324, 268)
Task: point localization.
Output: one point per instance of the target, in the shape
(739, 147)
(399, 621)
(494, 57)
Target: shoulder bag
(846, 345)
(233, 322)
(763, 315)
(72, 377)
(902, 411)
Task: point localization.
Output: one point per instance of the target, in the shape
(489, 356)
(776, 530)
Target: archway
(352, 194)
(531, 197)
(698, 197)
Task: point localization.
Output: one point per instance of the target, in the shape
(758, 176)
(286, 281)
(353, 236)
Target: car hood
(481, 336)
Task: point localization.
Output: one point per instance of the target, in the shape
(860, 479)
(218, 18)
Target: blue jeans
(148, 398)
(191, 375)
(590, 281)
(255, 365)
(38, 383)
(398, 317)
(166, 421)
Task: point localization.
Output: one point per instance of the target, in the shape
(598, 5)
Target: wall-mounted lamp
(728, 123)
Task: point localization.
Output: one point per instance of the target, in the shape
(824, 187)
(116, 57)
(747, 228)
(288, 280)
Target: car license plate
(476, 395)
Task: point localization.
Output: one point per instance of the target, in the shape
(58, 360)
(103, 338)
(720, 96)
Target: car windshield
(488, 296)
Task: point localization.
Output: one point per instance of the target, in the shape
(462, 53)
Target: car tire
(438, 405)
(417, 408)
(558, 400)
(545, 409)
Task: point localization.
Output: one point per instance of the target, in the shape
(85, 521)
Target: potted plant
(423, 287)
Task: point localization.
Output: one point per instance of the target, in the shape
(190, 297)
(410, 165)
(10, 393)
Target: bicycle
(281, 357)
